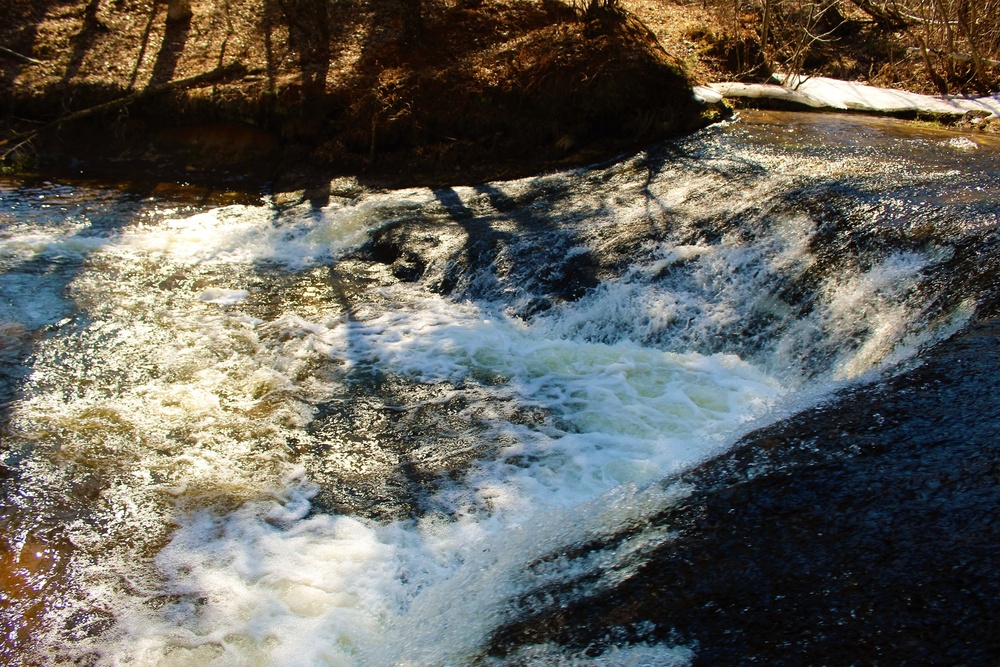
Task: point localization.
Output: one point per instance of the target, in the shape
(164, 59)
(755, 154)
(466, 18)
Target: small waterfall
(401, 427)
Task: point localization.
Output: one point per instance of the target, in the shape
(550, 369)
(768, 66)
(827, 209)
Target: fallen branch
(196, 81)
(887, 17)
(957, 57)
(20, 56)
(204, 79)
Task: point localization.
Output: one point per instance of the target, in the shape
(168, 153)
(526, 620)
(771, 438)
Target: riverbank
(273, 93)
(259, 90)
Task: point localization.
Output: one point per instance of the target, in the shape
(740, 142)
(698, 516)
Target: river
(731, 399)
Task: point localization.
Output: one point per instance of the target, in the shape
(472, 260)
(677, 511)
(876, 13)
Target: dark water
(730, 400)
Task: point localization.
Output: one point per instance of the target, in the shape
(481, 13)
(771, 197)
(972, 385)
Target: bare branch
(20, 56)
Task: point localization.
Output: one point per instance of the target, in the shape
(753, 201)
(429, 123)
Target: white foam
(874, 308)
(25, 243)
(626, 413)
(331, 590)
(264, 583)
(296, 238)
(224, 297)
(963, 144)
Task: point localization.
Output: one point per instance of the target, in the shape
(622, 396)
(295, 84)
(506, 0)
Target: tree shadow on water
(44, 489)
(518, 252)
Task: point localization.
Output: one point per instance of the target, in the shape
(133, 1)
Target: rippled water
(365, 430)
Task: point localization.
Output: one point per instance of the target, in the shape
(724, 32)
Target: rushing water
(380, 427)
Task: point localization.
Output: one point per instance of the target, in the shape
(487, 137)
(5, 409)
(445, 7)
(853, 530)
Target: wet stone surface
(863, 531)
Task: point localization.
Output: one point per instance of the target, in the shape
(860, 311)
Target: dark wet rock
(381, 455)
(859, 532)
(488, 257)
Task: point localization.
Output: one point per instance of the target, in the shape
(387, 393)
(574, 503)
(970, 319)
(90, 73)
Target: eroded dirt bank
(273, 89)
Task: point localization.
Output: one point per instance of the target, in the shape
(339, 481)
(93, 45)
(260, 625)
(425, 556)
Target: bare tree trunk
(939, 83)
(943, 10)
(967, 24)
(765, 25)
(178, 10)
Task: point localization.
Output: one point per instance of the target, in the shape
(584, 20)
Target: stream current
(436, 426)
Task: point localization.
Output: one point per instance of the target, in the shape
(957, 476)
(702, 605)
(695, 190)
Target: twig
(20, 56)
(12, 149)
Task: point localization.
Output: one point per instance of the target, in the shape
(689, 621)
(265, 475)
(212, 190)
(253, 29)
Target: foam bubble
(963, 144)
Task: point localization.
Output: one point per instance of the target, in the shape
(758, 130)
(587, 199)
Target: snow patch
(824, 93)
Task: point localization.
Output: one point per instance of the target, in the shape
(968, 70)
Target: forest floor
(292, 89)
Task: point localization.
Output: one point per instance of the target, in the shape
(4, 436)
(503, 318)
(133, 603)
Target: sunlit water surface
(356, 431)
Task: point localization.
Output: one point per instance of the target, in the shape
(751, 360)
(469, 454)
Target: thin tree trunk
(939, 83)
(967, 26)
(944, 12)
(765, 25)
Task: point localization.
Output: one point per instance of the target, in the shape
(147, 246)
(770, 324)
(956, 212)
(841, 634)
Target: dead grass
(928, 46)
